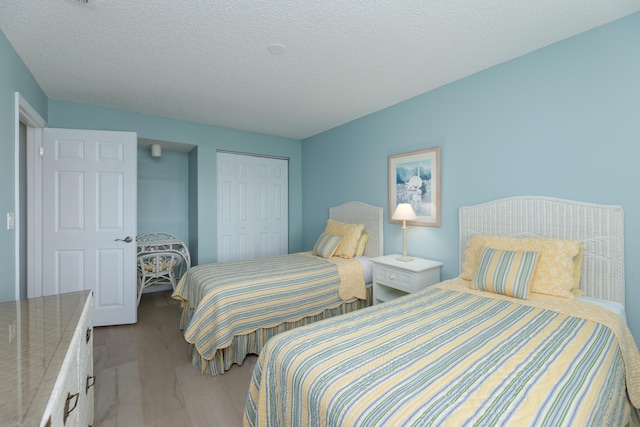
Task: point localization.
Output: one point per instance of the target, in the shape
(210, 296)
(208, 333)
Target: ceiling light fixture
(156, 151)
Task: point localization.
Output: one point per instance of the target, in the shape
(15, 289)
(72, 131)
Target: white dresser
(46, 369)
(393, 278)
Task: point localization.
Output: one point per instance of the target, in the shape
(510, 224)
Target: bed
(454, 354)
(230, 310)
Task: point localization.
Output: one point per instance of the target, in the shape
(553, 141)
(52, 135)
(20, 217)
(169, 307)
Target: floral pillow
(350, 234)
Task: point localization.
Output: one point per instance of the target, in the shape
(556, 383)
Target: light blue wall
(193, 204)
(163, 193)
(563, 121)
(14, 76)
(208, 139)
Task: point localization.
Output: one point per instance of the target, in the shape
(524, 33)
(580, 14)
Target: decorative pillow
(326, 245)
(350, 234)
(554, 273)
(164, 264)
(362, 242)
(577, 271)
(505, 272)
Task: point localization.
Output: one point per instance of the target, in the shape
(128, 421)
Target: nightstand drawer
(397, 279)
(393, 278)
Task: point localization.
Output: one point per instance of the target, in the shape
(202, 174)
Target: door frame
(26, 114)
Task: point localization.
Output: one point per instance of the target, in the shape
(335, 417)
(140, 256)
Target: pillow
(326, 245)
(505, 272)
(163, 264)
(362, 242)
(554, 272)
(350, 234)
(577, 271)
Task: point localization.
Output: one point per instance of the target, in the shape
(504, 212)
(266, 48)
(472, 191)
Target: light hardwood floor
(145, 378)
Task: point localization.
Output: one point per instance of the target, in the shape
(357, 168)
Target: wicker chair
(157, 267)
(160, 241)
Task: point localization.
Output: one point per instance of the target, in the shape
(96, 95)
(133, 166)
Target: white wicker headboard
(599, 227)
(370, 216)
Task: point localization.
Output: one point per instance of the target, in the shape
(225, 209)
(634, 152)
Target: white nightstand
(393, 278)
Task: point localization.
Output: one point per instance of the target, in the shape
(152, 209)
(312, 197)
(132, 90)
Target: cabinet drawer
(395, 278)
(85, 367)
(71, 400)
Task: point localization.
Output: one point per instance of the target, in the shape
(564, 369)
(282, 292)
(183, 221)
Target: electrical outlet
(11, 220)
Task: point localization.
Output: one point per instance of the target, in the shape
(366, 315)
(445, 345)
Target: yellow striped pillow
(505, 272)
(326, 245)
(362, 242)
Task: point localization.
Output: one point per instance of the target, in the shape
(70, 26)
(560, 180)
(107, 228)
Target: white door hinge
(41, 151)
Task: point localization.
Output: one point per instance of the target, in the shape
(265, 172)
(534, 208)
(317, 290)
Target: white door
(89, 219)
(232, 224)
(271, 216)
(252, 207)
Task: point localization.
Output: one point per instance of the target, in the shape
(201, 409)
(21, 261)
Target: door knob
(127, 239)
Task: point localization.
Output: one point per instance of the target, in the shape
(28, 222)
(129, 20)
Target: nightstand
(393, 278)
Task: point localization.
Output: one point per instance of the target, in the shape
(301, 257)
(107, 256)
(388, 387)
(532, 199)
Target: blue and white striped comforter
(450, 356)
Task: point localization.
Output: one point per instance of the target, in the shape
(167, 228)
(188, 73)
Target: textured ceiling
(333, 60)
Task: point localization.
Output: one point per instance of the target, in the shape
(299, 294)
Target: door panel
(69, 201)
(89, 186)
(272, 221)
(252, 207)
(226, 209)
(244, 209)
(110, 195)
(111, 295)
(69, 270)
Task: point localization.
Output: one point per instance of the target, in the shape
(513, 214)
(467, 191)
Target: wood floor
(145, 378)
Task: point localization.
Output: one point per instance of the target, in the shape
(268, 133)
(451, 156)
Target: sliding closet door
(271, 213)
(252, 207)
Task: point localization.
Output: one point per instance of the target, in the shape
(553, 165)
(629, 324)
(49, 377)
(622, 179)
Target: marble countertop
(35, 335)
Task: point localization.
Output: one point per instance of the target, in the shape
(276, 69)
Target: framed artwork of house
(414, 178)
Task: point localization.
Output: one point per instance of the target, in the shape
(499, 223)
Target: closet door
(252, 207)
(234, 207)
(271, 220)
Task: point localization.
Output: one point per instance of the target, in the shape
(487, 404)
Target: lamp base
(404, 258)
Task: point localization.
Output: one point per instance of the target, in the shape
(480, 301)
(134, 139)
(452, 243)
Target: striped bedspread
(450, 355)
(223, 300)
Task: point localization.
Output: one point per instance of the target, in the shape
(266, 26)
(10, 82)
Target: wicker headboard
(370, 216)
(599, 227)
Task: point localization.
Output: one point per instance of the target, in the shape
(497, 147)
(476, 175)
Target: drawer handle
(91, 381)
(392, 276)
(68, 410)
(88, 334)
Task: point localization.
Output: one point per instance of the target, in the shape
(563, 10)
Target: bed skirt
(252, 343)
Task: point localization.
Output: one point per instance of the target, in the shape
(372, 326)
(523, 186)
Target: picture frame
(414, 178)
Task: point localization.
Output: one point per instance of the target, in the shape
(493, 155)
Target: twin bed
(454, 354)
(230, 310)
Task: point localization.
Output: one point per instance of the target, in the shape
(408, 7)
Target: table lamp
(404, 212)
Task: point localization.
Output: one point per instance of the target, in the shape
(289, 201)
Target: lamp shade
(404, 212)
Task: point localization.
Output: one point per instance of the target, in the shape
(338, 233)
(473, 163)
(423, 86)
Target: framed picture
(414, 178)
